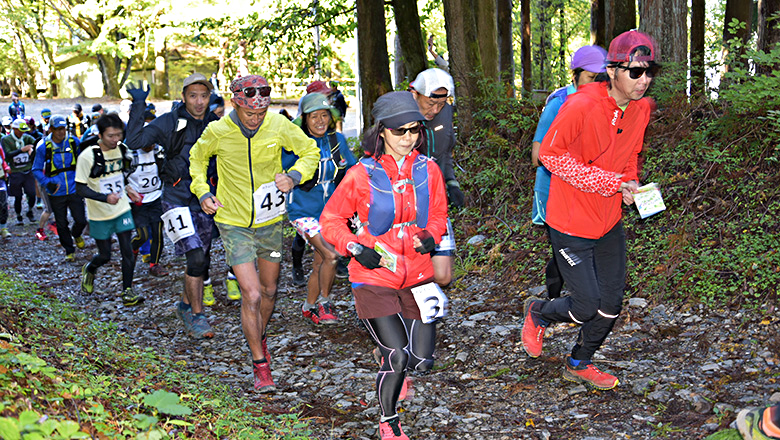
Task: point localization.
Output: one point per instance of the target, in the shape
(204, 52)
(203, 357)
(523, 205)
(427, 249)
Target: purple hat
(624, 46)
(590, 58)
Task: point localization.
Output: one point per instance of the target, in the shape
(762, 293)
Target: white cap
(428, 81)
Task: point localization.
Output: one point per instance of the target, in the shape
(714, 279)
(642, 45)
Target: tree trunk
(597, 23)
(697, 47)
(26, 65)
(373, 62)
(622, 18)
(736, 10)
(666, 22)
(161, 86)
(407, 22)
(399, 70)
(768, 30)
(465, 61)
(525, 45)
(486, 22)
(562, 37)
(544, 42)
(108, 73)
(506, 61)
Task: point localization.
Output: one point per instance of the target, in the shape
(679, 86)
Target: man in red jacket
(591, 150)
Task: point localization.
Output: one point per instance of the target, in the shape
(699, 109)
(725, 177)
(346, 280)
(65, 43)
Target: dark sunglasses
(402, 131)
(250, 92)
(637, 72)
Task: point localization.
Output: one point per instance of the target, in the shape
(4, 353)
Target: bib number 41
(178, 223)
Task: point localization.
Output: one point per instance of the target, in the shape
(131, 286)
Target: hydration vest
(335, 157)
(380, 216)
(99, 165)
(48, 167)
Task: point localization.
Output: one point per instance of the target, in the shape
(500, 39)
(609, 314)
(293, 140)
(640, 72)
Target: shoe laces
(391, 426)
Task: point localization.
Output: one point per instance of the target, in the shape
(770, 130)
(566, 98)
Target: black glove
(368, 258)
(137, 93)
(52, 187)
(427, 243)
(455, 196)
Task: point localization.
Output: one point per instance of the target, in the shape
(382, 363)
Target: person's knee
(443, 279)
(584, 313)
(398, 359)
(422, 365)
(197, 263)
(268, 292)
(101, 259)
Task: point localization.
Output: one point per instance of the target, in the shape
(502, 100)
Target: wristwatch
(354, 248)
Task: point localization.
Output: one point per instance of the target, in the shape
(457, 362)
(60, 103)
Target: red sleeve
(341, 206)
(631, 171)
(6, 168)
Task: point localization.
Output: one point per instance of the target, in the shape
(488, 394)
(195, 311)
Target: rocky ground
(684, 370)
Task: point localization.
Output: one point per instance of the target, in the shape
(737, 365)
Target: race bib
(21, 159)
(431, 301)
(447, 242)
(178, 223)
(112, 184)
(147, 180)
(269, 202)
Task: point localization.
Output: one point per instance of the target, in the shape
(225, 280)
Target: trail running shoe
(40, 235)
(753, 424)
(87, 277)
(208, 295)
(200, 327)
(313, 313)
(157, 271)
(5, 233)
(326, 313)
(185, 314)
(299, 278)
(586, 372)
(533, 327)
(264, 383)
(70, 258)
(130, 298)
(391, 430)
(19, 220)
(146, 258)
(79, 242)
(30, 217)
(265, 350)
(52, 228)
(233, 291)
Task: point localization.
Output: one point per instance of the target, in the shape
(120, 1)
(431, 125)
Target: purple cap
(623, 48)
(590, 58)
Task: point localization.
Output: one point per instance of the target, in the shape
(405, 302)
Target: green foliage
(65, 376)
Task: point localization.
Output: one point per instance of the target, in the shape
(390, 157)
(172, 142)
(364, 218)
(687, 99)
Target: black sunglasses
(402, 131)
(636, 72)
(250, 92)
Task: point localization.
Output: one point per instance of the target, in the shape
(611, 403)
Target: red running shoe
(264, 383)
(265, 350)
(327, 314)
(533, 327)
(40, 235)
(586, 372)
(391, 430)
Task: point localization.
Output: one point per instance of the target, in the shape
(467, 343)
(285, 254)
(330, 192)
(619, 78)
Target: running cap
(20, 125)
(256, 101)
(590, 58)
(57, 121)
(623, 48)
(77, 107)
(14, 95)
(318, 87)
(97, 107)
(196, 78)
(428, 81)
(7, 120)
(46, 113)
(395, 109)
(315, 101)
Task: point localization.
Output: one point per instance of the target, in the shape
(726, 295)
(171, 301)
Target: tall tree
(487, 37)
(666, 22)
(737, 11)
(407, 21)
(621, 18)
(373, 62)
(598, 32)
(506, 57)
(525, 45)
(465, 61)
(768, 29)
(697, 46)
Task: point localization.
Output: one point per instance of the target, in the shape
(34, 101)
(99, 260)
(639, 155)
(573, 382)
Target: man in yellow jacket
(250, 200)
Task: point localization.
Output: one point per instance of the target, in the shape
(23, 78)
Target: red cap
(318, 87)
(623, 48)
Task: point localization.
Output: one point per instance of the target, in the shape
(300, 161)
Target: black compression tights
(104, 256)
(143, 234)
(404, 343)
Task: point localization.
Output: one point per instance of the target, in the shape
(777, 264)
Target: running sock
(575, 363)
(384, 419)
(261, 361)
(307, 306)
(207, 281)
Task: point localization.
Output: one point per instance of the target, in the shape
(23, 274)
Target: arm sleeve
(558, 153)
(9, 154)
(345, 151)
(341, 206)
(200, 153)
(38, 163)
(84, 191)
(137, 136)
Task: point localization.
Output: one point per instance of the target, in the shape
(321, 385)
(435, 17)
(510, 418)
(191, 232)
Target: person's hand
(368, 257)
(137, 93)
(27, 148)
(455, 196)
(628, 189)
(423, 242)
(430, 42)
(209, 205)
(134, 196)
(283, 182)
(52, 187)
(113, 198)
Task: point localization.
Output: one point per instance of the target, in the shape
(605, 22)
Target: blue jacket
(302, 203)
(62, 157)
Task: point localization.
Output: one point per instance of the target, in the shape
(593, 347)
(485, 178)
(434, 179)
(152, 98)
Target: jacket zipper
(251, 183)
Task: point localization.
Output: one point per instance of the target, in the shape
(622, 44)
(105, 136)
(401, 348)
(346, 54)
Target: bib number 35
(431, 301)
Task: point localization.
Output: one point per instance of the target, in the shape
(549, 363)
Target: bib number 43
(269, 202)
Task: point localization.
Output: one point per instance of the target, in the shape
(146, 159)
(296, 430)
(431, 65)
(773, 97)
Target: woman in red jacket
(401, 203)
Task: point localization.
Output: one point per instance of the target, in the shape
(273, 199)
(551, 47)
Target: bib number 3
(269, 202)
(431, 301)
(178, 223)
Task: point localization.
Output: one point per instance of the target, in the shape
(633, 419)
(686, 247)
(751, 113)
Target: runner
(100, 180)
(4, 169)
(55, 170)
(249, 204)
(305, 203)
(188, 226)
(592, 149)
(19, 150)
(401, 202)
(431, 89)
(586, 63)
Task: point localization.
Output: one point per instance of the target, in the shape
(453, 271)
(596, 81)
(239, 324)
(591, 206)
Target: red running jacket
(590, 143)
(353, 195)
